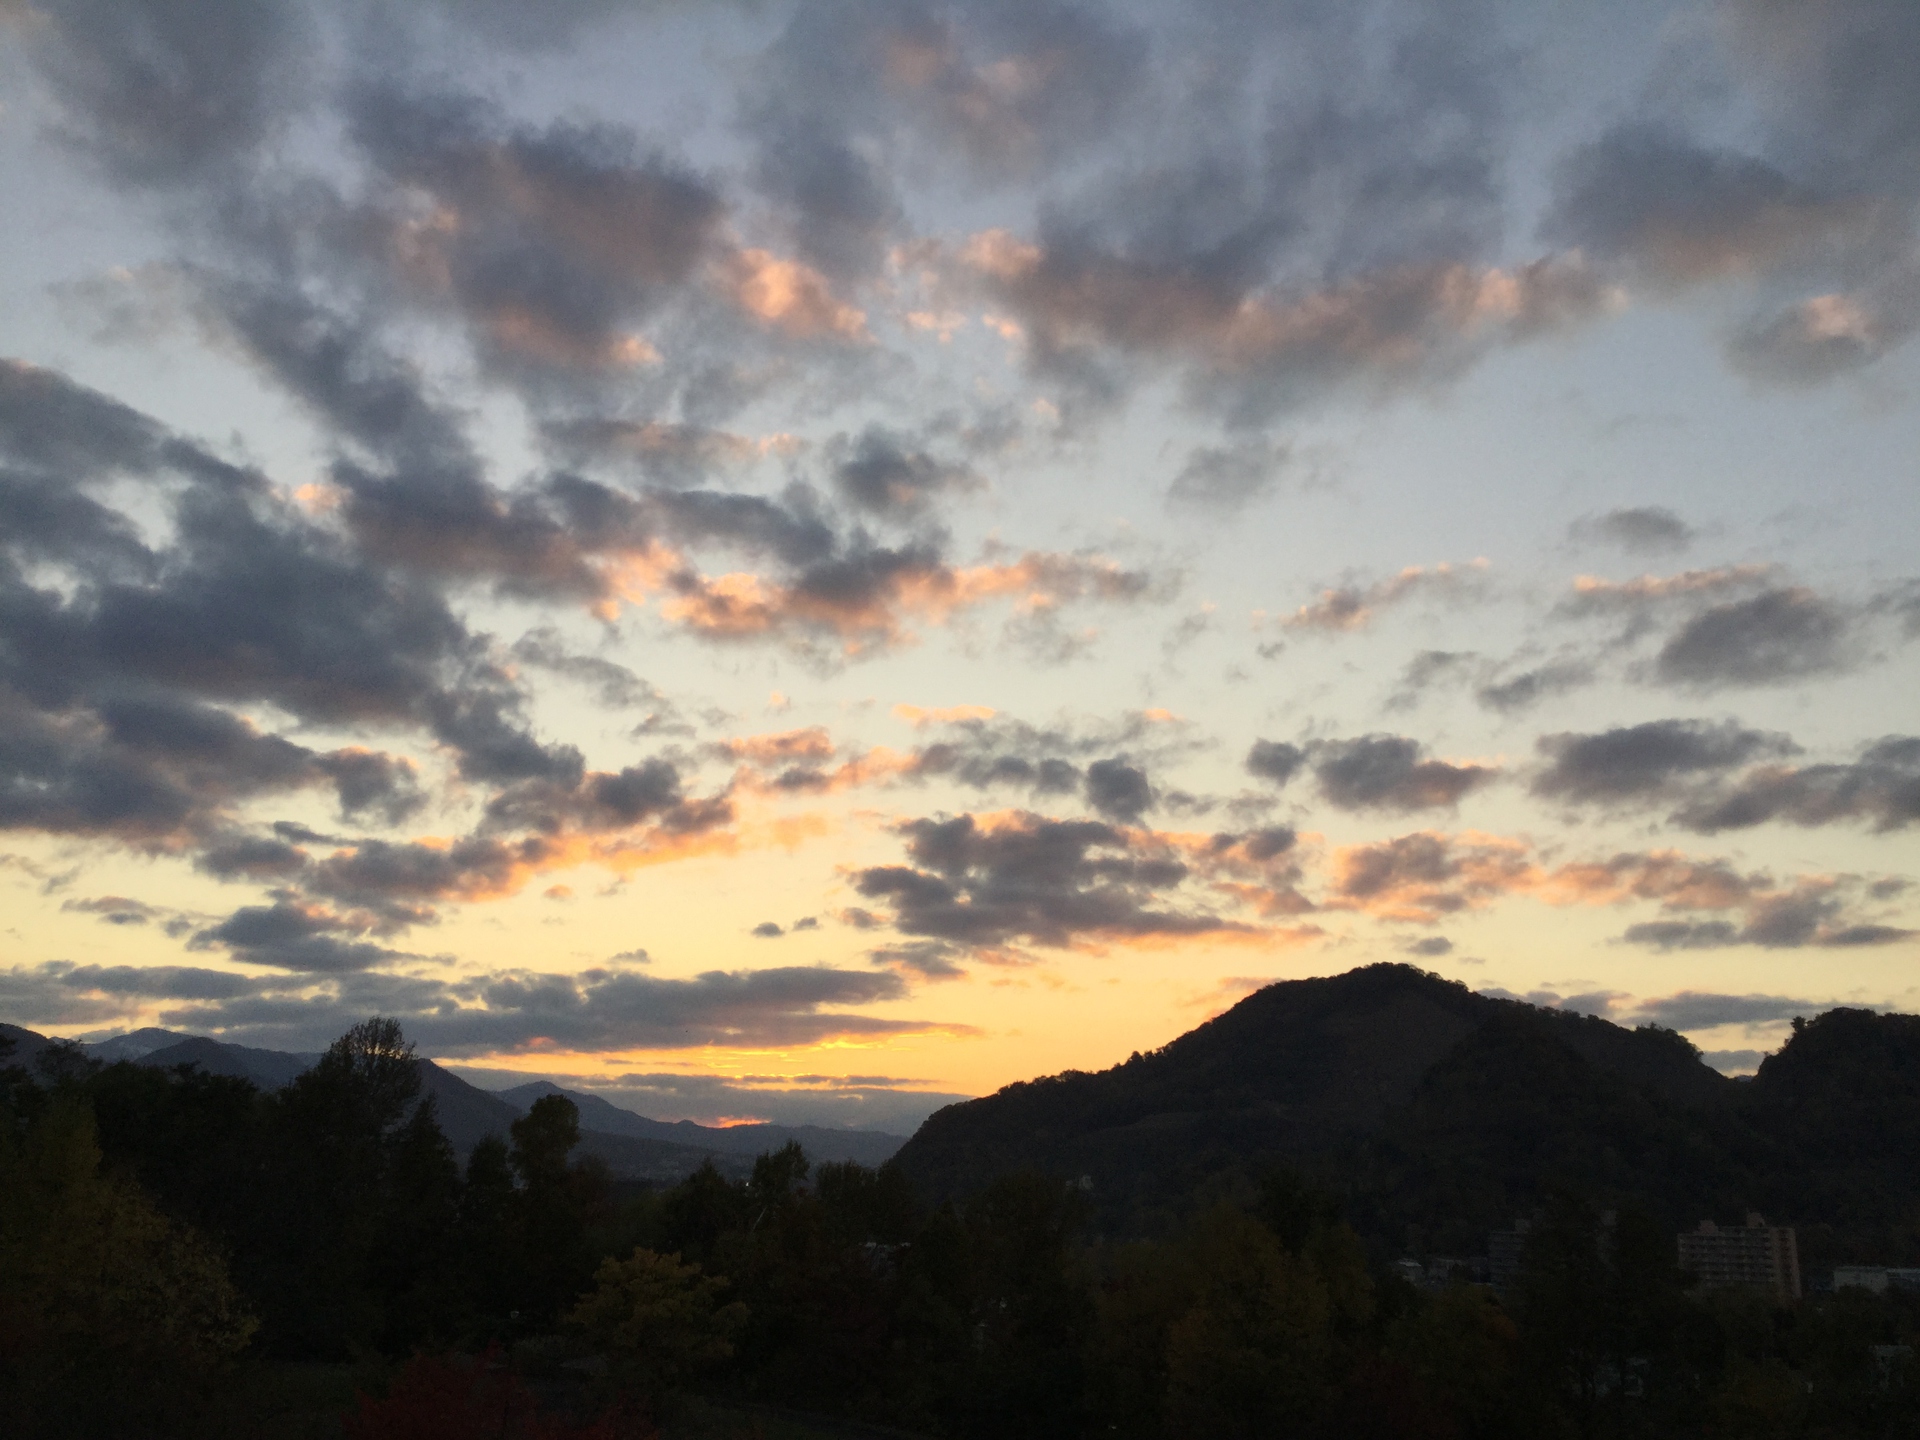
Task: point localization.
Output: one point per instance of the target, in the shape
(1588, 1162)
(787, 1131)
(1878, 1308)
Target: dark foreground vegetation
(182, 1254)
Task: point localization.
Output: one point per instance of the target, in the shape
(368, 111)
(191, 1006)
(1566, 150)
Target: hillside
(1424, 1105)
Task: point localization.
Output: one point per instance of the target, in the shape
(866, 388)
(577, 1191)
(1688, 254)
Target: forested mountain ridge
(1439, 1111)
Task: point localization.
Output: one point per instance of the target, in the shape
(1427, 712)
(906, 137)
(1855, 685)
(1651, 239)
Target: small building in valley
(1754, 1256)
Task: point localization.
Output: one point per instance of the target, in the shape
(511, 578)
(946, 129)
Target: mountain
(467, 1114)
(1427, 1108)
(822, 1143)
(269, 1069)
(135, 1044)
(635, 1148)
(20, 1046)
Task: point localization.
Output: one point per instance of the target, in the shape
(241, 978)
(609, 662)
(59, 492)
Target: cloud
(985, 882)
(983, 751)
(1681, 214)
(1882, 786)
(604, 1010)
(867, 599)
(1642, 529)
(560, 238)
(1426, 876)
(882, 474)
(1827, 336)
(1426, 670)
(1836, 76)
(1354, 607)
(1775, 637)
(154, 91)
(1811, 914)
(1225, 479)
(1652, 760)
(1698, 1010)
(1595, 596)
(1386, 772)
(596, 1011)
(613, 684)
(291, 936)
(1529, 687)
(669, 453)
(1810, 910)
(1118, 790)
(1275, 760)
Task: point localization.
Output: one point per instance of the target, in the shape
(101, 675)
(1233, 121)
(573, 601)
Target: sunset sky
(799, 561)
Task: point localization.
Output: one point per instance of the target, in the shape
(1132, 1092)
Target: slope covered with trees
(177, 1249)
(1438, 1112)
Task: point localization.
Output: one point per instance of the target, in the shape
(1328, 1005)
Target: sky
(800, 561)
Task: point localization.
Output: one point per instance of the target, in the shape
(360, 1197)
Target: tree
(1254, 1352)
(106, 1306)
(659, 1320)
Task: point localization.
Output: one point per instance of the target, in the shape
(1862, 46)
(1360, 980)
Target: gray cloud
(288, 936)
(596, 1010)
(1638, 762)
(614, 685)
(882, 474)
(986, 753)
(1683, 934)
(1775, 637)
(1118, 790)
(1825, 337)
(1882, 786)
(1519, 692)
(1029, 878)
(156, 91)
(566, 233)
(1226, 478)
(1694, 1010)
(1682, 213)
(1426, 670)
(1275, 760)
(1387, 772)
(1810, 914)
(1640, 529)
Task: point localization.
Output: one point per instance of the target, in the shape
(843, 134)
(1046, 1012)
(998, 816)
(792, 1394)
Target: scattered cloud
(1653, 760)
(1390, 773)
(1639, 529)
(1354, 607)
(1776, 637)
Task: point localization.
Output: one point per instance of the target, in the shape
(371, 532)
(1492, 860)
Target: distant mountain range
(1435, 1114)
(633, 1146)
(821, 1142)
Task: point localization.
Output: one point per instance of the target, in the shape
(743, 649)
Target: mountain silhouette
(1434, 1114)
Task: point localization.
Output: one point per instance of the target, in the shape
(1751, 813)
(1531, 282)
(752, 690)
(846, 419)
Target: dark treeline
(169, 1238)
